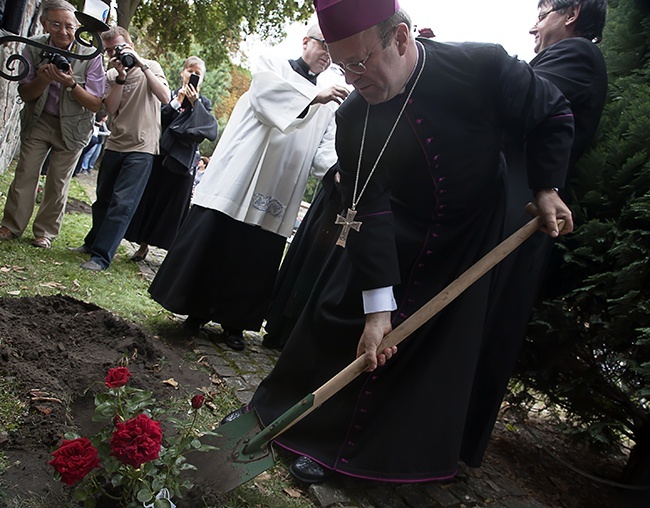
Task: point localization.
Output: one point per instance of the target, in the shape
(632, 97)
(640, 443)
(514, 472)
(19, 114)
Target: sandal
(42, 242)
(6, 234)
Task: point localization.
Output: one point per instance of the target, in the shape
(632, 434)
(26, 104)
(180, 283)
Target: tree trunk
(125, 11)
(637, 471)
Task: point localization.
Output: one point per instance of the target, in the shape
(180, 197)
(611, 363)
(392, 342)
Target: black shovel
(244, 448)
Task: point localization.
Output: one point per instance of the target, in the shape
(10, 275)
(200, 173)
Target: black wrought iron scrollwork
(89, 25)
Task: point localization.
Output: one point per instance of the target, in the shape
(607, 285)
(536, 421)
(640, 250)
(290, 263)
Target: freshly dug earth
(57, 350)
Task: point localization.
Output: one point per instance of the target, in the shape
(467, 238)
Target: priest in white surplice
(224, 261)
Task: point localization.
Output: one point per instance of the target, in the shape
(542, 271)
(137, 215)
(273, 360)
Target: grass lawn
(28, 271)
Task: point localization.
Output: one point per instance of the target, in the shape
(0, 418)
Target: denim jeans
(120, 184)
(89, 158)
(95, 156)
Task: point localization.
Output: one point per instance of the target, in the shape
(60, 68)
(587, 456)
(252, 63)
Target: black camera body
(59, 61)
(126, 59)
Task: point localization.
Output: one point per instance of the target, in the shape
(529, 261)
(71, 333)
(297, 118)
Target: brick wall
(9, 102)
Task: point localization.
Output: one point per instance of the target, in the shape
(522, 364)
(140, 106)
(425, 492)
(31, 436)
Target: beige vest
(76, 121)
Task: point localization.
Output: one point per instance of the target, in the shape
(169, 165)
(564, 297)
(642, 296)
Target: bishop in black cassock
(433, 207)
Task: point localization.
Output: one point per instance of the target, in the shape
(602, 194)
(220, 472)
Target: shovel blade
(228, 467)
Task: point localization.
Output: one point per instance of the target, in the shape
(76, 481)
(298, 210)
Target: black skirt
(163, 207)
(219, 269)
(304, 260)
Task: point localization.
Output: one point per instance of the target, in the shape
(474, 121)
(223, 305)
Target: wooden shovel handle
(432, 307)
(426, 312)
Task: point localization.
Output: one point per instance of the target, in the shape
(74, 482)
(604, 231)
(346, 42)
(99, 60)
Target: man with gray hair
(60, 101)
(246, 205)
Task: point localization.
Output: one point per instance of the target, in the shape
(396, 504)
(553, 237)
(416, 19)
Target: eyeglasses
(58, 26)
(322, 42)
(360, 67)
(543, 15)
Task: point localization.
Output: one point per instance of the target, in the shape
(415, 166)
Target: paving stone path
(486, 487)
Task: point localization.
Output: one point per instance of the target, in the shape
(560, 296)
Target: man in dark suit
(566, 33)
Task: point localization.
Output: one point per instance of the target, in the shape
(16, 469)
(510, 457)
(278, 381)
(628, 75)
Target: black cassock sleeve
(512, 98)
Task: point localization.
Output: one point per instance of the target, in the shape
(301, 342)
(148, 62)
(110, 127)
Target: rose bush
(117, 377)
(136, 441)
(74, 459)
(131, 461)
(197, 401)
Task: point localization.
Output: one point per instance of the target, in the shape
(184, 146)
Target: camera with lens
(59, 61)
(126, 59)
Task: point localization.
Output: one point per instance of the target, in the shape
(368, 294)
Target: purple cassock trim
(363, 477)
(340, 19)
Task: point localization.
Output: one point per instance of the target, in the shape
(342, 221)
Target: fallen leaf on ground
(17, 268)
(293, 492)
(55, 285)
(38, 393)
(171, 382)
(13, 293)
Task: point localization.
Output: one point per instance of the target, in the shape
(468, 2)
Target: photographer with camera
(60, 99)
(135, 90)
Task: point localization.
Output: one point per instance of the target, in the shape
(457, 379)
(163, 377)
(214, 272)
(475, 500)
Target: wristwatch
(71, 87)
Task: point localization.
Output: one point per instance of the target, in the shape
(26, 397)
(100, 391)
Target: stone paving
(486, 487)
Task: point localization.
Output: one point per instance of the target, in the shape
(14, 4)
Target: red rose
(197, 401)
(117, 377)
(74, 459)
(136, 441)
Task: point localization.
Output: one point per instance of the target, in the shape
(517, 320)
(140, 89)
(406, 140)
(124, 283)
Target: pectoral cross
(348, 223)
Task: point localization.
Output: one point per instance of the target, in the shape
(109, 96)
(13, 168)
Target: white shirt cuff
(379, 300)
(175, 104)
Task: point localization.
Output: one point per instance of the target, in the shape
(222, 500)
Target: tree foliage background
(588, 346)
(218, 26)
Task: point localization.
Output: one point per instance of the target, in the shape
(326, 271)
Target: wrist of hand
(554, 189)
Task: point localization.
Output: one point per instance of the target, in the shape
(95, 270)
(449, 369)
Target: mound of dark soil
(57, 350)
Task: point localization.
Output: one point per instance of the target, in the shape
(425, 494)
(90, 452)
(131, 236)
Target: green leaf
(144, 495)
(157, 484)
(117, 479)
(162, 503)
(80, 494)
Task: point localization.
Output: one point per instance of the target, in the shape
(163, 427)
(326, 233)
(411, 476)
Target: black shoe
(272, 342)
(235, 341)
(92, 266)
(193, 324)
(139, 256)
(81, 249)
(234, 415)
(308, 471)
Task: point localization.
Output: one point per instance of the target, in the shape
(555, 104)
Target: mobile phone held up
(194, 81)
